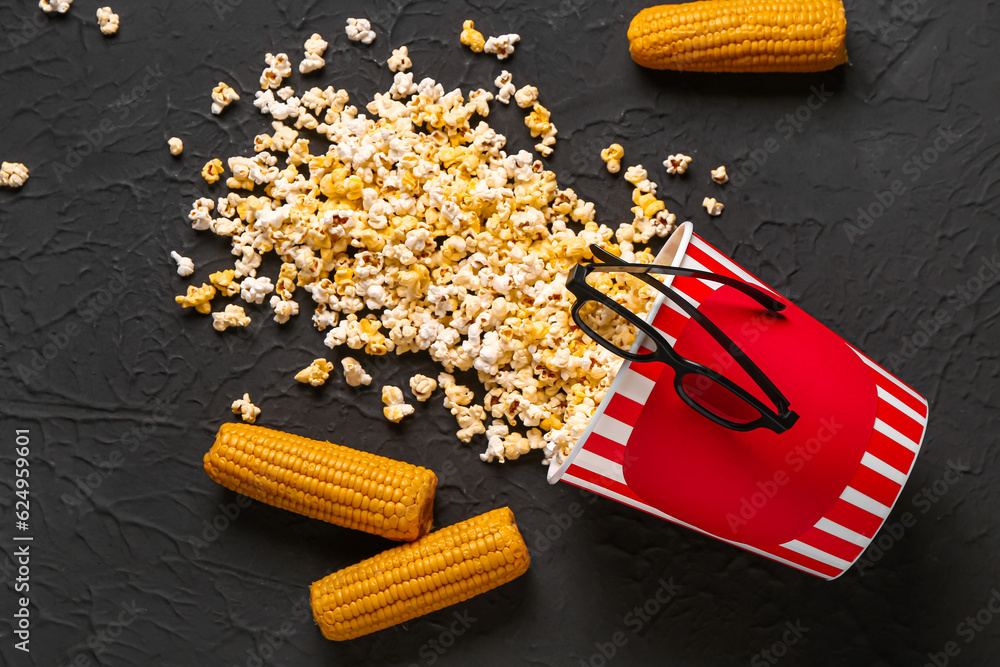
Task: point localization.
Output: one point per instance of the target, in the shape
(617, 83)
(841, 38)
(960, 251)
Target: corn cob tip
(442, 568)
(741, 36)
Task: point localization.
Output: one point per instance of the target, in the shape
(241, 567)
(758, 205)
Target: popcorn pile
(416, 230)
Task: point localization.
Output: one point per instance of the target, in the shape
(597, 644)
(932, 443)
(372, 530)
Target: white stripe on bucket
(613, 429)
(596, 463)
(895, 435)
(883, 468)
(636, 387)
(899, 405)
(817, 554)
(896, 381)
(842, 532)
(858, 499)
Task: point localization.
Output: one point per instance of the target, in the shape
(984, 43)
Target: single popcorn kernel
(360, 30)
(222, 96)
(354, 373)
(422, 387)
(232, 316)
(198, 298)
(400, 60)
(246, 409)
(712, 206)
(212, 170)
(677, 164)
(185, 265)
(176, 146)
(314, 48)
(719, 175)
(107, 21)
(315, 373)
(13, 174)
(612, 156)
(60, 6)
(395, 409)
(501, 46)
(472, 38)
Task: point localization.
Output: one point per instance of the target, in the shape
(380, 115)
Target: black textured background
(127, 403)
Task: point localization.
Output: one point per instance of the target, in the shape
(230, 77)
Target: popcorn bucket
(812, 497)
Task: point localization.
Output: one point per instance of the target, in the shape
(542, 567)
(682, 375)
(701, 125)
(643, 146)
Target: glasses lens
(609, 325)
(717, 399)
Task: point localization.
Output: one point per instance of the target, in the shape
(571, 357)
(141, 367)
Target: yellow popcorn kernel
(198, 298)
(648, 202)
(212, 170)
(472, 38)
(224, 282)
(315, 373)
(353, 187)
(538, 120)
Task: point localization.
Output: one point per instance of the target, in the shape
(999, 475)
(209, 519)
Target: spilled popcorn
(175, 145)
(400, 60)
(315, 47)
(316, 373)
(395, 408)
(354, 373)
(60, 6)
(232, 316)
(713, 206)
(502, 46)
(612, 157)
(222, 96)
(677, 164)
(360, 30)
(415, 230)
(472, 38)
(13, 174)
(719, 175)
(107, 20)
(246, 409)
(185, 265)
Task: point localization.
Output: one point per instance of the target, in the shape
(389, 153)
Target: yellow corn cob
(324, 481)
(741, 36)
(439, 569)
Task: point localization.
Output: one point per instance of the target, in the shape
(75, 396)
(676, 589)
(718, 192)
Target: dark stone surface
(135, 388)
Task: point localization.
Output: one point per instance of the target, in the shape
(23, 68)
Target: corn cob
(741, 36)
(447, 566)
(324, 481)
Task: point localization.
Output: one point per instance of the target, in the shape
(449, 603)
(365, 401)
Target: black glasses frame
(779, 420)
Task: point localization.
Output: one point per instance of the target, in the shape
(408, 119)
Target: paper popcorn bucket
(812, 497)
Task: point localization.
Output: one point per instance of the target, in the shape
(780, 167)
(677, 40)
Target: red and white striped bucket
(813, 497)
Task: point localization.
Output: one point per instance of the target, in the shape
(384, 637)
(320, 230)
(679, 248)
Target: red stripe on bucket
(900, 421)
(669, 321)
(603, 482)
(623, 409)
(831, 544)
(606, 447)
(692, 287)
(875, 486)
(885, 448)
(853, 517)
